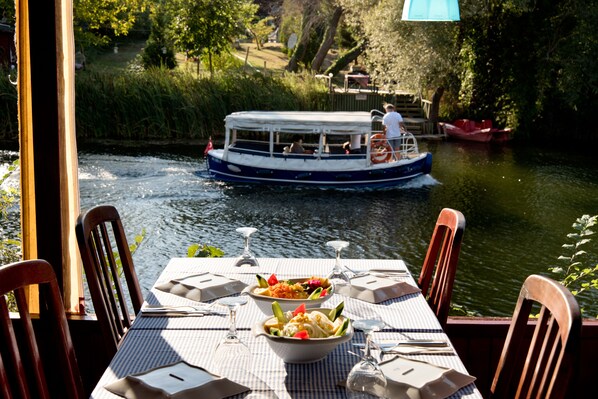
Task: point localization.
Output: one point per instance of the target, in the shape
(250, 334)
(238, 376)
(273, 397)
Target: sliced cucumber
(261, 282)
(316, 293)
(275, 331)
(278, 313)
(336, 312)
(343, 328)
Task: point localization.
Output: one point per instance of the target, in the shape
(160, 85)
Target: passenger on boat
(297, 146)
(353, 146)
(393, 127)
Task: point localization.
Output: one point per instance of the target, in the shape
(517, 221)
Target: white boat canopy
(300, 121)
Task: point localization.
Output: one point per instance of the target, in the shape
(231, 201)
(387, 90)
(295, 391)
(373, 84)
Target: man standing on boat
(393, 126)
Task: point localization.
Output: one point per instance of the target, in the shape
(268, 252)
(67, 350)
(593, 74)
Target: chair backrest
(105, 254)
(23, 371)
(440, 265)
(546, 368)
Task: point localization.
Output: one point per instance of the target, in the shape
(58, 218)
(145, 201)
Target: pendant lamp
(431, 10)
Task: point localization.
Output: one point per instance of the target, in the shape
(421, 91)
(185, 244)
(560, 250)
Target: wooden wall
(479, 342)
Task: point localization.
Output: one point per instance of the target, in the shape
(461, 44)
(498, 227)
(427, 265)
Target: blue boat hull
(367, 177)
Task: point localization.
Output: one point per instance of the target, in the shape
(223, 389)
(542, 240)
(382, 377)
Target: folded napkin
(413, 379)
(178, 381)
(375, 289)
(203, 287)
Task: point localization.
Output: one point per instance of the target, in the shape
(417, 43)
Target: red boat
(483, 132)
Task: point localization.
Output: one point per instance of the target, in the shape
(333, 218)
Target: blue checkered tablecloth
(157, 341)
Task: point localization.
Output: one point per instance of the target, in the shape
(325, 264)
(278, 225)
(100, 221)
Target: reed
(160, 104)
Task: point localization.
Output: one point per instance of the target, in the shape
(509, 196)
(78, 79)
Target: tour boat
(465, 129)
(257, 150)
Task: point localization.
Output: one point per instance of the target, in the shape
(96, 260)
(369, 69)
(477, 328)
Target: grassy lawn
(270, 57)
(118, 60)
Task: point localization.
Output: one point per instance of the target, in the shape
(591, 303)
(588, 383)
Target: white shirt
(391, 120)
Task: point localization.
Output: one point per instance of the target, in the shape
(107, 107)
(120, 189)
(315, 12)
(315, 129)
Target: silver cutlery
(423, 343)
(182, 310)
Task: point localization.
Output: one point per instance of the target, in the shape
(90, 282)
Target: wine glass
(246, 257)
(338, 275)
(366, 379)
(232, 355)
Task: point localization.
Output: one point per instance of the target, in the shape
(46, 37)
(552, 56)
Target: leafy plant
(576, 276)
(204, 251)
(10, 247)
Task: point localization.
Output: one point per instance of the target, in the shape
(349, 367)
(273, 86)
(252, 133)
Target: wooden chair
(105, 252)
(440, 265)
(24, 369)
(546, 368)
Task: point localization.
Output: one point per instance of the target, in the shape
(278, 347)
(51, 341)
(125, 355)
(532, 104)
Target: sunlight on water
(519, 205)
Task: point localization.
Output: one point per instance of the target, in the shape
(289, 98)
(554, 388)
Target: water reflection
(519, 204)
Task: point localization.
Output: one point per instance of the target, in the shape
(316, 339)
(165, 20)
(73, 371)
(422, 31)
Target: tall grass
(158, 104)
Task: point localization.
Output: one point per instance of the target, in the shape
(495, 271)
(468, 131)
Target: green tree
(159, 49)
(95, 21)
(7, 12)
(206, 27)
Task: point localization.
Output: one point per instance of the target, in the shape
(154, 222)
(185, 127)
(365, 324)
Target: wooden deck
(414, 111)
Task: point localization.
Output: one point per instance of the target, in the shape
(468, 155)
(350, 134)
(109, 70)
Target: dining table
(159, 340)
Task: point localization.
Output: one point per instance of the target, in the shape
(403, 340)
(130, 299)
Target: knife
(432, 343)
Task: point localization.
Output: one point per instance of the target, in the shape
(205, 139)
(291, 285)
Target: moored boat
(465, 129)
(257, 150)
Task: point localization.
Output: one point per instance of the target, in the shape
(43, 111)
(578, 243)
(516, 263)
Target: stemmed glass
(366, 379)
(246, 257)
(231, 353)
(338, 275)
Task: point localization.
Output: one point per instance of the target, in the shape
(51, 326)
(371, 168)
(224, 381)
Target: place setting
(202, 288)
(400, 376)
(372, 286)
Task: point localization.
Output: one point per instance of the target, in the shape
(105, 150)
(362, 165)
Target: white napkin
(178, 381)
(413, 379)
(203, 287)
(375, 289)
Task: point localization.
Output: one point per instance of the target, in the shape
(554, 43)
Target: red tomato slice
(301, 334)
(300, 309)
(324, 292)
(272, 280)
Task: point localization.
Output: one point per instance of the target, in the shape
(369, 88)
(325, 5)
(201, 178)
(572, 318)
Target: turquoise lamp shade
(431, 10)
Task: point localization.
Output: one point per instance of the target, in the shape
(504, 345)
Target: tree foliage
(207, 27)
(95, 21)
(159, 48)
(527, 64)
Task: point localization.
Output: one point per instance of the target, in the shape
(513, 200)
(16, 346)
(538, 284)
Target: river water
(519, 204)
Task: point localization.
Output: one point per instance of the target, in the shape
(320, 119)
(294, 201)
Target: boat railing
(408, 145)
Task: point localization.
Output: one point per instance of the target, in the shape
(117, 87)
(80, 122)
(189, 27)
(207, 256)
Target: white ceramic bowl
(265, 302)
(296, 350)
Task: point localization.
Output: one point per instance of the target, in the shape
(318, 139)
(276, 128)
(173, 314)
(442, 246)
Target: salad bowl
(297, 350)
(264, 302)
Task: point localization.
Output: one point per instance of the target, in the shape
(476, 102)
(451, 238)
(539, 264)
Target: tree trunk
(346, 58)
(306, 25)
(316, 64)
(435, 108)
